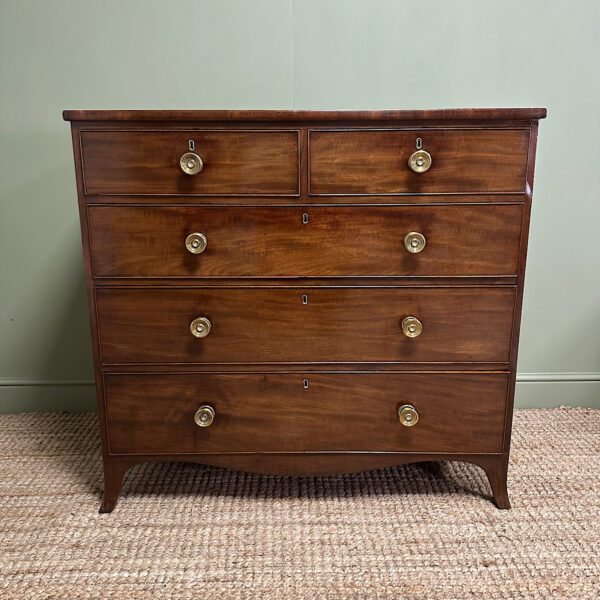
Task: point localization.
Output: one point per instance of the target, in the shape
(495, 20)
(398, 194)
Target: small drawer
(188, 241)
(316, 412)
(160, 162)
(372, 162)
(296, 325)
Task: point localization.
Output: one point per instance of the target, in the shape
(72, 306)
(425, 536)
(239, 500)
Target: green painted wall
(291, 54)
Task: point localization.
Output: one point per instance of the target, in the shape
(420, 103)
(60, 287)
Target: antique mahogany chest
(305, 292)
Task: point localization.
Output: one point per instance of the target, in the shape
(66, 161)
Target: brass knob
(411, 327)
(204, 416)
(191, 163)
(408, 415)
(196, 243)
(200, 327)
(420, 161)
(414, 242)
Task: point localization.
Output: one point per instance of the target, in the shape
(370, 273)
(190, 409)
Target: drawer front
(278, 242)
(154, 414)
(304, 324)
(376, 161)
(245, 163)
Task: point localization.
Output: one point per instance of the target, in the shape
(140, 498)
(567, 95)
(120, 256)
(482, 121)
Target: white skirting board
(534, 390)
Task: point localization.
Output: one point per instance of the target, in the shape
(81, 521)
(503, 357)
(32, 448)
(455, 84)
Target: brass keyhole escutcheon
(420, 161)
(191, 163)
(200, 327)
(204, 416)
(408, 415)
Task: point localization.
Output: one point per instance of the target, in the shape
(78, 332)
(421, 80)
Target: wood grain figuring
(147, 162)
(486, 115)
(320, 299)
(376, 161)
(276, 413)
(274, 242)
(305, 200)
(273, 325)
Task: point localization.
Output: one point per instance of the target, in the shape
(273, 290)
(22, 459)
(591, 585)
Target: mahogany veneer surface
(306, 280)
(275, 242)
(272, 413)
(264, 324)
(147, 162)
(374, 161)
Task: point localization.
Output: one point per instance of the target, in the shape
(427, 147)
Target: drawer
(272, 325)
(154, 414)
(236, 162)
(376, 161)
(305, 242)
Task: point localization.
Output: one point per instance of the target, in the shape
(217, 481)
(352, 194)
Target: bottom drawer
(455, 412)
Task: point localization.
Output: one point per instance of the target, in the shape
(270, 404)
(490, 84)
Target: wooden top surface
(445, 114)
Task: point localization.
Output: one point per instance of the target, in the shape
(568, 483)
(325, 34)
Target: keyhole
(305, 384)
(304, 299)
(305, 218)
(419, 143)
(191, 145)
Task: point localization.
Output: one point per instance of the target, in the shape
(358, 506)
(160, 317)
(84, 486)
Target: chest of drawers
(305, 292)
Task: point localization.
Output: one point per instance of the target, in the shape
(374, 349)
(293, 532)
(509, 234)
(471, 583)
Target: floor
(184, 531)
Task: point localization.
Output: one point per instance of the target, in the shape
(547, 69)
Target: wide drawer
(295, 242)
(376, 161)
(256, 325)
(154, 414)
(236, 162)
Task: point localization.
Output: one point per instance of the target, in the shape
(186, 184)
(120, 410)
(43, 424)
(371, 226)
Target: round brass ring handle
(204, 416)
(420, 161)
(200, 327)
(408, 415)
(411, 327)
(196, 243)
(191, 163)
(415, 242)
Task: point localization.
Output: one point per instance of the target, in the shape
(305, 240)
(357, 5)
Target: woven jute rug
(187, 531)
